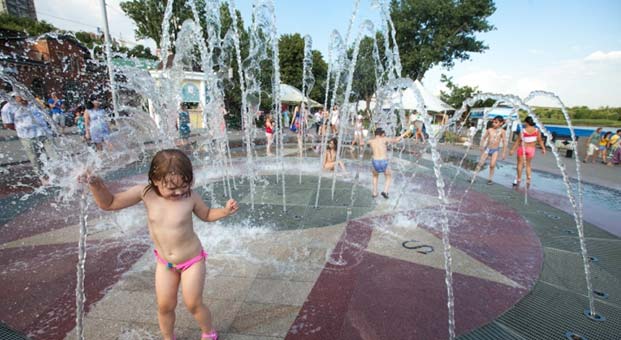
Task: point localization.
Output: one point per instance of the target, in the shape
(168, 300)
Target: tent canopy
(291, 95)
(407, 99)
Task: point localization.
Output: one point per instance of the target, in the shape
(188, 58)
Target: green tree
(456, 95)
(24, 24)
(291, 55)
(149, 14)
(140, 51)
(89, 39)
(432, 32)
(364, 75)
(320, 70)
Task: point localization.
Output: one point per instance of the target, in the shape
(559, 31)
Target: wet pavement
(306, 273)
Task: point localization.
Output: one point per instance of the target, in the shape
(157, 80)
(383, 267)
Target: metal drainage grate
(8, 334)
(574, 336)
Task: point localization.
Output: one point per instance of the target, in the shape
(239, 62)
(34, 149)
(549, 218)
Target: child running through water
(490, 146)
(380, 161)
(180, 258)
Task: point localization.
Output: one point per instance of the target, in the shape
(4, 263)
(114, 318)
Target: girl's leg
(166, 286)
(492, 165)
(193, 280)
(520, 164)
(528, 171)
(269, 144)
(342, 165)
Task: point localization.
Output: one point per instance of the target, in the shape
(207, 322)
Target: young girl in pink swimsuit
(180, 258)
(530, 136)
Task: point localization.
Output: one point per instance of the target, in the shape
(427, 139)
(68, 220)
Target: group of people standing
(35, 127)
(605, 146)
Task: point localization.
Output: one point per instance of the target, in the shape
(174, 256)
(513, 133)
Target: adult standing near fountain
(334, 120)
(615, 149)
(418, 124)
(55, 104)
(529, 137)
(32, 130)
(183, 125)
(298, 125)
(593, 145)
(97, 129)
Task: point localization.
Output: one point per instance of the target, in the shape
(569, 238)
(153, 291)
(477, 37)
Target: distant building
(53, 64)
(19, 8)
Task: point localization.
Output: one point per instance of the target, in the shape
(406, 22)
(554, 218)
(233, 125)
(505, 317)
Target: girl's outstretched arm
(207, 214)
(108, 201)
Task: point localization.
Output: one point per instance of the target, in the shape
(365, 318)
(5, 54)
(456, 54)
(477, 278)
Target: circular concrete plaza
(367, 268)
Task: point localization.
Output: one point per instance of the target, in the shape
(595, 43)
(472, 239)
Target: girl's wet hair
(529, 120)
(166, 164)
(335, 141)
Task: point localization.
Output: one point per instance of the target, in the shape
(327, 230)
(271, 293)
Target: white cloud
(80, 15)
(604, 56)
(577, 81)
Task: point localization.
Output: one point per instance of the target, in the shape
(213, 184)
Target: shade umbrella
(409, 101)
(291, 95)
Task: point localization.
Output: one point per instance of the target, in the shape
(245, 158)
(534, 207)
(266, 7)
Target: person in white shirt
(32, 130)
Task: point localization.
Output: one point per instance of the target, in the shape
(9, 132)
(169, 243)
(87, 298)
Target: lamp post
(108, 43)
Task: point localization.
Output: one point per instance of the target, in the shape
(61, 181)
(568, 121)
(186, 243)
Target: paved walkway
(308, 273)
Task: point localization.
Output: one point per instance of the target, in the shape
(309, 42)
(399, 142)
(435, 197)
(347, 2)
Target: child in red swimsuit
(525, 145)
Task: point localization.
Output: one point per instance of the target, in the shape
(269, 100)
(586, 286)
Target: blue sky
(571, 48)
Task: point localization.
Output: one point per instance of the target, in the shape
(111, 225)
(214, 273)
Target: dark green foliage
(364, 75)
(432, 32)
(581, 115)
(140, 51)
(320, 70)
(458, 94)
(23, 24)
(149, 14)
(88, 39)
(291, 56)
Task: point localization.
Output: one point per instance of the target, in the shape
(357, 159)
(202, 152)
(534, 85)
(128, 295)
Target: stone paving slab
(287, 285)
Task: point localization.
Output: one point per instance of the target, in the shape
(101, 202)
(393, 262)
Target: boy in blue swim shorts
(380, 161)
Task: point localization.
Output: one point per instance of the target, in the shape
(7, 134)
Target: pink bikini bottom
(182, 266)
(529, 151)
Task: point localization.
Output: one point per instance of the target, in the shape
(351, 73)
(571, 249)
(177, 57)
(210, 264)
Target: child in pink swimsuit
(170, 204)
(529, 137)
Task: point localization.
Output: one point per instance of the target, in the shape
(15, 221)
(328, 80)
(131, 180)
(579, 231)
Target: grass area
(584, 122)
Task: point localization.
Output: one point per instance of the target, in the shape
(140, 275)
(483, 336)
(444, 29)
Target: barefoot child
(490, 146)
(180, 258)
(380, 162)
